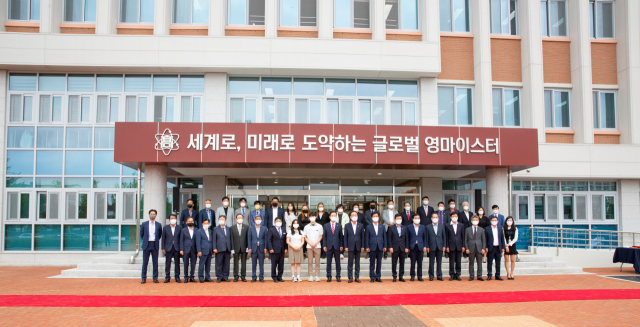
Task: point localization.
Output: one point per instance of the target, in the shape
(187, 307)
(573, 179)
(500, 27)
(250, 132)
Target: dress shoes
(208, 280)
(166, 280)
(192, 280)
(178, 280)
(280, 280)
(357, 280)
(441, 279)
(430, 279)
(372, 280)
(350, 280)
(261, 280)
(218, 280)
(201, 281)
(420, 279)
(458, 278)
(155, 281)
(253, 280)
(451, 278)
(413, 279)
(338, 279)
(378, 280)
(394, 279)
(488, 277)
(144, 281)
(401, 279)
(499, 278)
(480, 279)
(471, 278)
(244, 280)
(235, 280)
(328, 279)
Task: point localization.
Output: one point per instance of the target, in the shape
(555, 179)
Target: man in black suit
(190, 211)
(271, 214)
(171, 248)
(239, 234)
(367, 217)
(150, 233)
(222, 249)
(353, 244)
(204, 246)
(464, 216)
(276, 239)
(455, 246)
(398, 244)
(407, 214)
(375, 241)
(425, 211)
(495, 246)
(332, 244)
(447, 212)
(188, 250)
(436, 243)
(356, 209)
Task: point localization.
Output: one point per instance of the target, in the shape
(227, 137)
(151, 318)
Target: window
(79, 137)
(506, 107)
(243, 110)
(24, 10)
(401, 14)
(403, 113)
(556, 109)
(79, 109)
(136, 11)
(135, 108)
(21, 108)
(339, 111)
(307, 111)
(246, 12)
(603, 207)
(371, 112)
(455, 105)
(20, 137)
(504, 17)
(18, 206)
(276, 111)
(129, 207)
(190, 111)
(105, 206)
(601, 14)
(79, 10)
(107, 109)
(604, 110)
(298, 13)
(76, 205)
(48, 206)
(454, 16)
(352, 14)
(553, 15)
(190, 12)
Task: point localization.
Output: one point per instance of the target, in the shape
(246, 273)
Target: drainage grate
(627, 278)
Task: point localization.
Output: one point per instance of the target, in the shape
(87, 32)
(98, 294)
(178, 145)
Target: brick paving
(365, 316)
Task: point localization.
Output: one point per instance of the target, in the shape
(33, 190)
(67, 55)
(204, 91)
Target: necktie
(239, 230)
(333, 228)
(242, 212)
(279, 232)
(209, 214)
(399, 232)
(474, 232)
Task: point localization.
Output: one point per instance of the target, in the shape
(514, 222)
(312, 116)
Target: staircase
(118, 266)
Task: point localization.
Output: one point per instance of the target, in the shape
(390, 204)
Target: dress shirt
(191, 232)
(494, 230)
(258, 233)
(399, 227)
(239, 229)
(435, 228)
(417, 228)
(375, 226)
(152, 231)
(355, 227)
(455, 228)
(275, 215)
(173, 229)
(207, 233)
(313, 233)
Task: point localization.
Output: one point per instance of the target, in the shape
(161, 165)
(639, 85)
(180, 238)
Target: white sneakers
(342, 256)
(293, 279)
(317, 279)
(311, 279)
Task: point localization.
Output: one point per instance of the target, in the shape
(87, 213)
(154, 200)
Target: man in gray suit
(239, 248)
(436, 245)
(244, 211)
(475, 243)
(222, 249)
(227, 211)
(388, 217)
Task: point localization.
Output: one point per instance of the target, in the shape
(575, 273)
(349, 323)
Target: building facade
(71, 69)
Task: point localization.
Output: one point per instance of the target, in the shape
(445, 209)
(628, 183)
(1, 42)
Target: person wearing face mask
(222, 248)
(375, 241)
(256, 212)
(418, 245)
(295, 240)
(188, 249)
(204, 246)
(239, 233)
(244, 211)
(343, 219)
(227, 211)
(303, 218)
(510, 232)
(483, 222)
(257, 241)
(436, 244)
(464, 216)
(475, 242)
(398, 244)
(495, 247)
(353, 243)
(171, 248)
(455, 246)
(388, 217)
(290, 214)
(276, 238)
(190, 211)
(274, 212)
(425, 211)
(356, 208)
(151, 233)
(370, 211)
(313, 238)
(206, 214)
(447, 212)
(496, 213)
(407, 214)
(440, 213)
(332, 244)
(323, 219)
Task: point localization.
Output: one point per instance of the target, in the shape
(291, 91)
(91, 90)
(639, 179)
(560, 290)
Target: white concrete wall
(581, 96)
(431, 187)
(155, 192)
(60, 259)
(580, 257)
(480, 27)
(497, 190)
(215, 93)
(428, 101)
(628, 60)
(630, 206)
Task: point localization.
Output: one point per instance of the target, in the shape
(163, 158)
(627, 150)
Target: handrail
(571, 238)
(138, 199)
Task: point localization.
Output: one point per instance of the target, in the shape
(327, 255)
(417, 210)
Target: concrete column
(271, 18)
(107, 16)
(378, 28)
(3, 141)
(50, 16)
(155, 192)
(325, 19)
(629, 205)
(215, 187)
(162, 18)
(428, 101)
(628, 51)
(532, 69)
(498, 189)
(217, 17)
(431, 187)
(215, 93)
(480, 27)
(581, 96)
(3, 15)
(430, 21)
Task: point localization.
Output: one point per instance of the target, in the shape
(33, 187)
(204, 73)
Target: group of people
(244, 233)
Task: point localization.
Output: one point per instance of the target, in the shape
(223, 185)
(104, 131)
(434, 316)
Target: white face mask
(356, 209)
(258, 222)
(340, 210)
(466, 208)
(495, 212)
(320, 208)
(221, 222)
(416, 221)
(208, 205)
(333, 218)
(440, 208)
(354, 218)
(398, 221)
(290, 208)
(205, 226)
(435, 220)
(455, 220)
(391, 206)
(494, 223)
(475, 223)
(375, 219)
(480, 212)
(296, 225)
(240, 221)
(425, 203)
(225, 203)
(172, 221)
(452, 206)
(407, 208)
(278, 224)
(312, 219)
(242, 204)
(509, 223)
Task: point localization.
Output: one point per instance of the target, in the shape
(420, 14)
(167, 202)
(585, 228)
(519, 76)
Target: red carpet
(313, 300)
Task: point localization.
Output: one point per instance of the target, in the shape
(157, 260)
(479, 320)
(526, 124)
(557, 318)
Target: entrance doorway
(363, 201)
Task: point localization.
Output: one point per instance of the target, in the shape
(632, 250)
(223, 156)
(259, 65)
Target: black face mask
(275, 205)
(373, 207)
(189, 205)
(190, 224)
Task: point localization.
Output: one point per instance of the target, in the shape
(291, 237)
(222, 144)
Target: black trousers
(433, 257)
(416, 257)
(257, 258)
(189, 260)
(455, 263)
(145, 261)
(375, 263)
(240, 259)
(331, 254)
(175, 254)
(353, 258)
(277, 262)
(395, 257)
(204, 266)
(494, 254)
(223, 259)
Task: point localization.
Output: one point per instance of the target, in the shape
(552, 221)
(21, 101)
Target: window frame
(110, 96)
(453, 21)
(106, 218)
(598, 103)
(503, 113)
(510, 32)
(247, 14)
(191, 23)
(280, 15)
(593, 18)
(352, 18)
(34, 105)
(83, 20)
(400, 20)
(28, 13)
(553, 112)
(19, 193)
(455, 104)
(139, 12)
(548, 23)
(77, 218)
(48, 195)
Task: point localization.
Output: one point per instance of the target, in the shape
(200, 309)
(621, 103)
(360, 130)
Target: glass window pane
(367, 186)
(596, 207)
(308, 86)
(18, 9)
(109, 83)
(545, 186)
(20, 182)
(396, 112)
(361, 14)
(49, 182)
(403, 89)
(236, 111)
(283, 111)
(283, 183)
(165, 83)
(461, 15)
(146, 11)
(169, 116)
(343, 14)
(76, 237)
(237, 12)
(410, 14)
(105, 238)
(103, 163)
(603, 186)
(315, 111)
(562, 109)
(605, 19)
(191, 83)
(104, 138)
(244, 85)
(548, 109)
(200, 9)
(544, 19)
(581, 207)
(365, 112)
(56, 115)
(513, 17)
(181, 12)
(49, 162)
(20, 137)
(567, 205)
(22, 82)
(445, 15)
(301, 111)
(15, 108)
(608, 110)
(81, 83)
(27, 108)
(256, 12)
(79, 137)
(333, 115)
(370, 87)
(17, 238)
(50, 137)
(308, 13)
(289, 12)
(464, 114)
(346, 112)
(557, 21)
(495, 16)
(512, 107)
(185, 109)
(410, 113)
(77, 182)
(106, 182)
(137, 83)
(609, 207)
(50, 82)
(504, 20)
(77, 163)
(195, 116)
(45, 109)
(391, 11)
(276, 86)
(378, 113)
(497, 107)
(269, 111)
(552, 207)
(325, 184)
(523, 207)
(340, 87)
(445, 106)
(90, 10)
(142, 109)
(47, 238)
(19, 162)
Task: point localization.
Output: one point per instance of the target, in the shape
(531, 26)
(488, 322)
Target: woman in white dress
(290, 214)
(295, 240)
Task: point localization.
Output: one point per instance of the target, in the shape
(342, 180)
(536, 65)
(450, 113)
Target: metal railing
(568, 238)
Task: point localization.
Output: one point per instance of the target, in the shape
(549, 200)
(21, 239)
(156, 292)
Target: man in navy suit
(375, 240)
(190, 211)
(455, 246)
(437, 242)
(369, 213)
(398, 244)
(406, 214)
(171, 248)
(274, 212)
(188, 249)
(206, 214)
(425, 211)
(332, 244)
(204, 246)
(276, 238)
(356, 209)
(495, 246)
(353, 241)
(222, 249)
(256, 212)
(151, 233)
(257, 240)
(417, 245)
(496, 213)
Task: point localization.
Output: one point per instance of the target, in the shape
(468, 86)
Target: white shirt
(207, 233)
(455, 228)
(239, 229)
(191, 232)
(296, 238)
(152, 231)
(173, 229)
(258, 233)
(375, 226)
(275, 215)
(435, 229)
(355, 227)
(417, 228)
(494, 229)
(313, 233)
